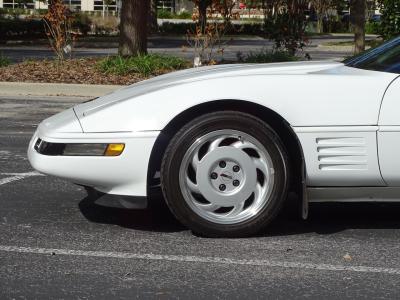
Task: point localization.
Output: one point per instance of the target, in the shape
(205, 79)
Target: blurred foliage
(107, 25)
(167, 14)
(16, 12)
(4, 61)
(183, 15)
(11, 29)
(40, 12)
(145, 65)
(335, 26)
(320, 8)
(389, 26)
(255, 28)
(58, 20)
(207, 39)
(267, 56)
(372, 27)
(81, 22)
(286, 26)
(3, 13)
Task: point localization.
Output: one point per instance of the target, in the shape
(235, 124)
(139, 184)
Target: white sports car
(227, 143)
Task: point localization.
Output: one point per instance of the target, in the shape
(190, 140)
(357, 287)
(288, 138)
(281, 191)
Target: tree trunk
(203, 14)
(133, 27)
(358, 10)
(320, 25)
(153, 25)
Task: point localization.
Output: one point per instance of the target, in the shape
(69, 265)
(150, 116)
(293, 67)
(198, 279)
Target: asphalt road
(57, 242)
(179, 47)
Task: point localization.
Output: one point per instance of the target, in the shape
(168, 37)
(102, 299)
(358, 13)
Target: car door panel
(389, 135)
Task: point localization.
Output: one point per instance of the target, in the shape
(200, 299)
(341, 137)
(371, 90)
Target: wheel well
(281, 126)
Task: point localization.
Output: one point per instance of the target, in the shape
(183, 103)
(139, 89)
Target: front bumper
(125, 174)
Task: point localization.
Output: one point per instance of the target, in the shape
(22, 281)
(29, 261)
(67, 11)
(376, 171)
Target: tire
(225, 174)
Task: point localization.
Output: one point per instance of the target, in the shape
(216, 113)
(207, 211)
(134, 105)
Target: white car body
(346, 121)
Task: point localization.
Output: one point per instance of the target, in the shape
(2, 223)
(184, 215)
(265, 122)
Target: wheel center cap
(227, 176)
(222, 191)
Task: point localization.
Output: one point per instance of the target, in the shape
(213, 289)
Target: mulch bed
(82, 71)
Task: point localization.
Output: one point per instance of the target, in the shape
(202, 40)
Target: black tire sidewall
(187, 136)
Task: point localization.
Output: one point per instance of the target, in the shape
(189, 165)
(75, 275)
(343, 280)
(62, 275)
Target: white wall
(39, 5)
(86, 5)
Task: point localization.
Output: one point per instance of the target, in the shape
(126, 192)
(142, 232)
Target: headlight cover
(78, 149)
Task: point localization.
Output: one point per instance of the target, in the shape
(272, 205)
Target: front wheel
(225, 174)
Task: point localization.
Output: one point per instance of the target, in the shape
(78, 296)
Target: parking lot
(58, 242)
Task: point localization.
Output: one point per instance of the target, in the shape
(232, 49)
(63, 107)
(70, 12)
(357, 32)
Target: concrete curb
(13, 89)
(349, 49)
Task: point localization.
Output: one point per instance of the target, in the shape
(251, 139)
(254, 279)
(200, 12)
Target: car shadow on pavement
(324, 218)
(331, 218)
(156, 217)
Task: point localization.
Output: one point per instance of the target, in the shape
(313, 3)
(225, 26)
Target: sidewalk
(17, 89)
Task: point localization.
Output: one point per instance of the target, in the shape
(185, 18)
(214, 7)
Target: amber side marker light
(114, 149)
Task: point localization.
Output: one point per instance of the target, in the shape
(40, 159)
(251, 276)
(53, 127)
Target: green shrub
(233, 29)
(40, 11)
(176, 28)
(333, 25)
(389, 26)
(164, 14)
(4, 61)
(145, 65)
(184, 15)
(167, 14)
(269, 56)
(16, 29)
(17, 11)
(336, 26)
(287, 29)
(3, 12)
(255, 28)
(372, 28)
(107, 25)
(82, 23)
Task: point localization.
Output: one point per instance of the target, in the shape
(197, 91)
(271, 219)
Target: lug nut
(222, 187)
(222, 164)
(236, 168)
(236, 182)
(214, 175)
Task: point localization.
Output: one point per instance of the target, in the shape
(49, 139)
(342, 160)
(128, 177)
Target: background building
(112, 7)
(95, 5)
(79, 5)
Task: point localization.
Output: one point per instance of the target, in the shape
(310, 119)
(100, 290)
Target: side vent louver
(342, 153)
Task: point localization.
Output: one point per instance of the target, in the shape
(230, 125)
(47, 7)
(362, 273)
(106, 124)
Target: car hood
(200, 74)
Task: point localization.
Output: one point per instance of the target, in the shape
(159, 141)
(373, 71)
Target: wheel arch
(273, 119)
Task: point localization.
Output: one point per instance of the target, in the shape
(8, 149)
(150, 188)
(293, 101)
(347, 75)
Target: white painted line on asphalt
(17, 176)
(200, 259)
(33, 173)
